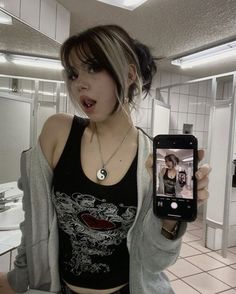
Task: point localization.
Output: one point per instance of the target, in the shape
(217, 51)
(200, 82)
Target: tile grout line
(224, 265)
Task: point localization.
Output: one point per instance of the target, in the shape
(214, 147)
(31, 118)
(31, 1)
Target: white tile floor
(202, 270)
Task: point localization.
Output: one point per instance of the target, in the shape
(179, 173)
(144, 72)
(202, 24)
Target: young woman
(89, 226)
(169, 175)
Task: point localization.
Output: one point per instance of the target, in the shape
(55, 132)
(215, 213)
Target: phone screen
(174, 169)
(175, 188)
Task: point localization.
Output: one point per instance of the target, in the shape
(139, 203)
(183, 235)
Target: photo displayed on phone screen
(175, 186)
(174, 169)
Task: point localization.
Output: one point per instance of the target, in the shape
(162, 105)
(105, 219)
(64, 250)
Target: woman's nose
(81, 83)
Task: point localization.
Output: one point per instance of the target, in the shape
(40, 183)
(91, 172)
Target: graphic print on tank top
(95, 228)
(169, 184)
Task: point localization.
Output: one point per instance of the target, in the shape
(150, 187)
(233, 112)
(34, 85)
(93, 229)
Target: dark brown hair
(111, 48)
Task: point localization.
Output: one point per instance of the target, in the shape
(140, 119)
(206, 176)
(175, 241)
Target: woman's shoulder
(54, 134)
(56, 125)
(58, 118)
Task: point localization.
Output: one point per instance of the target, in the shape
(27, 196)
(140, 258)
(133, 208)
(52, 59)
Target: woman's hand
(202, 180)
(201, 175)
(4, 285)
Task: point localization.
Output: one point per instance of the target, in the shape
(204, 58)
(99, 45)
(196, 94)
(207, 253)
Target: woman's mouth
(88, 103)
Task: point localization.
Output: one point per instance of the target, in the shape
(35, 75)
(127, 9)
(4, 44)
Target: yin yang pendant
(101, 174)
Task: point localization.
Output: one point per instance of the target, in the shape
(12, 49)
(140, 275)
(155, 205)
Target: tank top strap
(76, 131)
(72, 146)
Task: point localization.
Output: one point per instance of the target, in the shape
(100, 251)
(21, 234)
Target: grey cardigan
(36, 265)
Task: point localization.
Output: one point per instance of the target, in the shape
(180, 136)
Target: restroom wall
(47, 96)
(224, 90)
(189, 103)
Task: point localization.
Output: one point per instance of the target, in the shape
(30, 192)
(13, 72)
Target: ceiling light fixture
(5, 18)
(205, 56)
(35, 61)
(126, 4)
(188, 159)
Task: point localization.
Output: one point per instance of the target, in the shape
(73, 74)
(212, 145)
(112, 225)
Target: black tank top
(169, 184)
(93, 220)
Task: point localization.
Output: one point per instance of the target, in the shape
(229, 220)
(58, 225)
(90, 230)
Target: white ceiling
(170, 27)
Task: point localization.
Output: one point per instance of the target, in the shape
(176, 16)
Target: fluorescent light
(5, 18)
(188, 159)
(36, 62)
(126, 4)
(2, 58)
(208, 55)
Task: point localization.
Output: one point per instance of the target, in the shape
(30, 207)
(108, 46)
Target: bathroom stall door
(160, 118)
(219, 138)
(15, 130)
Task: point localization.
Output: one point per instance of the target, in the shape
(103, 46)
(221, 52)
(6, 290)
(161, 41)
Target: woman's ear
(132, 74)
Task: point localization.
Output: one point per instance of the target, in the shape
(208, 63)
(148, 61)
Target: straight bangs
(107, 48)
(89, 48)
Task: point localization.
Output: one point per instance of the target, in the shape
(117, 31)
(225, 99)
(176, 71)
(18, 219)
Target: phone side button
(174, 205)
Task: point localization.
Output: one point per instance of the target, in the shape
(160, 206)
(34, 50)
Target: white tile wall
(200, 121)
(184, 89)
(48, 91)
(165, 79)
(206, 123)
(192, 104)
(27, 88)
(174, 89)
(201, 105)
(191, 119)
(202, 89)
(189, 103)
(224, 90)
(182, 119)
(193, 89)
(174, 120)
(183, 103)
(164, 97)
(4, 84)
(174, 101)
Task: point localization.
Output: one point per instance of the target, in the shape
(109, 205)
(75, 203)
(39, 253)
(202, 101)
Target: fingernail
(199, 175)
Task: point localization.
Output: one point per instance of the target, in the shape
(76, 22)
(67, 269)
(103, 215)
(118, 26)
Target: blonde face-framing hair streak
(110, 48)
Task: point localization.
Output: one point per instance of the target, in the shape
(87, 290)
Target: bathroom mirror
(16, 106)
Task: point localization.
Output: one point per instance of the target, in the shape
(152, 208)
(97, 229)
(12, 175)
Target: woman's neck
(115, 125)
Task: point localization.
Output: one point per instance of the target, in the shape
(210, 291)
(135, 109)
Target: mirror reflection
(93, 229)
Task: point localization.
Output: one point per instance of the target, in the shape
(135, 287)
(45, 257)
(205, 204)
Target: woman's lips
(88, 103)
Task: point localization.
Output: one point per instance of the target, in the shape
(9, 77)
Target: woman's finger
(200, 154)
(203, 171)
(203, 183)
(202, 195)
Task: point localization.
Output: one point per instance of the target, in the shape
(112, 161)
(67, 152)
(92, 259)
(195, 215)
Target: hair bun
(147, 65)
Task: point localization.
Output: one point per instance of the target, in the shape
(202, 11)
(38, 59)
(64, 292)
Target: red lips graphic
(97, 224)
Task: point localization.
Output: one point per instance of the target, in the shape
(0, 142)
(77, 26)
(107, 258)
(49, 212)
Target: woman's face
(93, 89)
(169, 163)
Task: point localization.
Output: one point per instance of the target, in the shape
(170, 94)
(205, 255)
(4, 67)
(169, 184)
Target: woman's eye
(93, 68)
(72, 75)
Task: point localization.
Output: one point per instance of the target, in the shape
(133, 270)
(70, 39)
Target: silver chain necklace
(102, 172)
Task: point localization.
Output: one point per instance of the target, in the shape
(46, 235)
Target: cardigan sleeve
(158, 252)
(18, 277)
